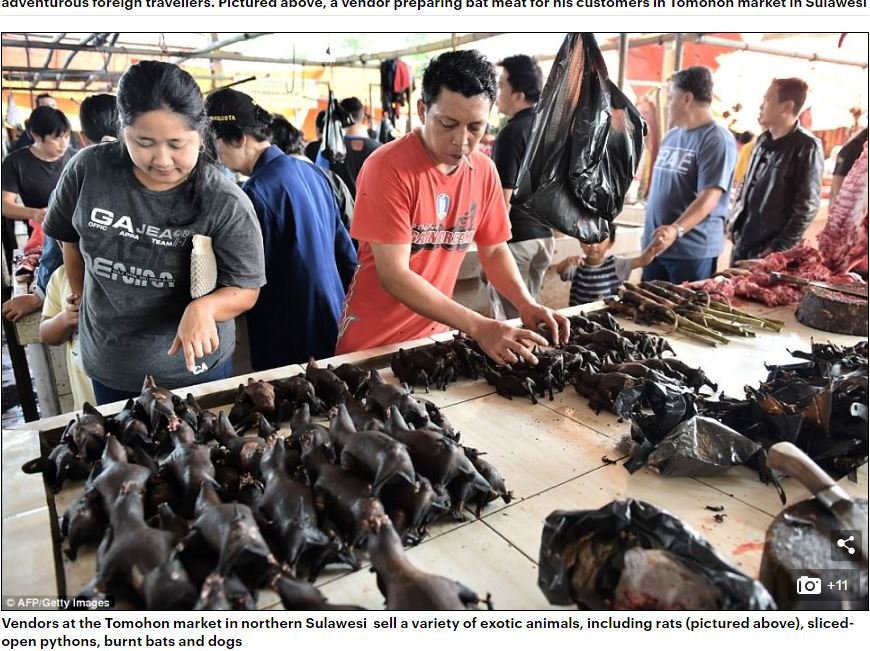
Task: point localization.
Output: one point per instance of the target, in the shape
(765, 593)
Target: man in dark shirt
(357, 142)
(313, 147)
(780, 194)
(845, 159)
(25, 139)
(519, 87)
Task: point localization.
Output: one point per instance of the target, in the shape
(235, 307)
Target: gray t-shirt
(136, 244)
(689, 161)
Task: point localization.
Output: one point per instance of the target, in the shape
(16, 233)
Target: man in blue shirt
(309, 257)
(688, 198)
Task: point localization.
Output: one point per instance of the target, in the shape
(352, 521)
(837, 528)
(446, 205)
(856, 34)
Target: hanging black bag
(584, 148)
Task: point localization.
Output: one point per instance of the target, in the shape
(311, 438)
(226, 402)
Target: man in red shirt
(421, 201)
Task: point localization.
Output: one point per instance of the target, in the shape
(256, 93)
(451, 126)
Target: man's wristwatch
(680, 230)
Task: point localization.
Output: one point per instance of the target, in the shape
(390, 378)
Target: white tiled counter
(553, 455)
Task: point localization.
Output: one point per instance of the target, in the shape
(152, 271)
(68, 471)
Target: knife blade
(857, 290)
(788, 458)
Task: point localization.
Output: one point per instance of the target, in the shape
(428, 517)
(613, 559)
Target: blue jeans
(679, 271)
(104, 394)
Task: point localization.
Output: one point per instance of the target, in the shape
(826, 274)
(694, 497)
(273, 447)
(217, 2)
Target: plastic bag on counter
(632, 555)
(585, 146)
(701, 447)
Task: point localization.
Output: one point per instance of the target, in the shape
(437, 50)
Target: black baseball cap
(228, 107)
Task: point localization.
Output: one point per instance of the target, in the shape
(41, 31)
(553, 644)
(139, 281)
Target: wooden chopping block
(799, 539)
(831, 311)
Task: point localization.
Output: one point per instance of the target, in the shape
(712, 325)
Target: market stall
(553, 455)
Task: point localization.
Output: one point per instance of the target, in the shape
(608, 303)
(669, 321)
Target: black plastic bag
(332, 144)
(583, 557)
(701, 447)
(584, 148)
(385, 130)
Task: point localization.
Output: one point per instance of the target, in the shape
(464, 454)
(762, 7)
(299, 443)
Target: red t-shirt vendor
(421, 201)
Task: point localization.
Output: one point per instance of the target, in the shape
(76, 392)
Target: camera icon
(809, 585)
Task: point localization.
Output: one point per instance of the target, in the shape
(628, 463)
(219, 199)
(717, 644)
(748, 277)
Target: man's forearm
(420, 296)
(75, 267)
(15, 211)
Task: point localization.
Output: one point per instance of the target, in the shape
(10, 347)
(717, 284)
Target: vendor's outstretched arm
(501, 270)
(503, 343)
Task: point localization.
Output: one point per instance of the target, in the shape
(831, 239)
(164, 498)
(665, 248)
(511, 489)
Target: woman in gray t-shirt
(126, 213)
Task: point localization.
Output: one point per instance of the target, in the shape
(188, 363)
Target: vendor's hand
(665, 235)
(535, 314)
(71, 310)
(197, 334)
(38, 214)
(20, 306)
(567, 263)
(504, 343)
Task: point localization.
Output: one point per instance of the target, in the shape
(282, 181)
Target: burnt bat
(509, 385)
(413, 507)
(231, 531)
(131, 551)
(346, 499)
(490, 473)
(379, 457)
(287, 509)
(404, 586)
(327, 385)
(298, 391)
(157, 405)
(189, 465)
(113, 471)
(352, 375)
(245, 451)
(84, 523)
(130, 426)
(61, 464)
(382, 395)
(300, 595)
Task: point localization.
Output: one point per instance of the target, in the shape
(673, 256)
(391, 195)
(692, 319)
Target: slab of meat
(801, 260)
(843, 242)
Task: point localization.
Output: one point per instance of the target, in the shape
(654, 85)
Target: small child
(599, 274)
(59, 326)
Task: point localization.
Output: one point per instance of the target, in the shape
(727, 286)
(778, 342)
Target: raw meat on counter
(842, 247)
(757, 284)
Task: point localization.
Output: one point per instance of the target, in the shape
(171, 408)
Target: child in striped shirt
(597, 273)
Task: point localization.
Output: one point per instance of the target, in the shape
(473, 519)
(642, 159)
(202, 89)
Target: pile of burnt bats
(191, 508)
(616, 369)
